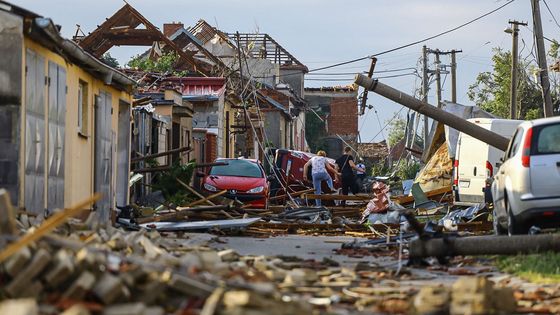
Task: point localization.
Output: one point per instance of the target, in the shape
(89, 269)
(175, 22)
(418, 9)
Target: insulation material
(438, 172)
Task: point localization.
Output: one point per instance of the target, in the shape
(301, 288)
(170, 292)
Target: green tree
(396, 131)
(491, 90)
(165, 64)
(110, 60)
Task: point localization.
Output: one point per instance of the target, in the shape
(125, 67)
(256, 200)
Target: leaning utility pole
(456, 122)
(514, 30)
(425, 89)
(543, 70)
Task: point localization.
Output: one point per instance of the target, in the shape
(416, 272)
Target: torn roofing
(44, 31)
(274, 103)
(264, 46)
(122, 28)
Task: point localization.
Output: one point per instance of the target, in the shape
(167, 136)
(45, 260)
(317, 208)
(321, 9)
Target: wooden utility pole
(425, 89)
(541, 54)
(514, 30)
(438, 78)
(454, 75)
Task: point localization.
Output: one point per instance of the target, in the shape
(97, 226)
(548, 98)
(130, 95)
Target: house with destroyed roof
(65, 119)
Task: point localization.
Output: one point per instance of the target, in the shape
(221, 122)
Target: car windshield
(548, 141)
(241, 168)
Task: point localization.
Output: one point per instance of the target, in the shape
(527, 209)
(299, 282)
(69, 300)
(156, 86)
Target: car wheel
(498, 229)
(514, 227)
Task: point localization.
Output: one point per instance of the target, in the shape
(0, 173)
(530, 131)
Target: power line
(416, 42)
(352, 78)
(551, 14)
(353, 73)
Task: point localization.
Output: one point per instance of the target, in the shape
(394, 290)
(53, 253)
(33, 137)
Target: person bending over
(319, 166)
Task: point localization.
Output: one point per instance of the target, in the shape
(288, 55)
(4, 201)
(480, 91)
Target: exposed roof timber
(120, 29)
(206, 32)
(264, 46)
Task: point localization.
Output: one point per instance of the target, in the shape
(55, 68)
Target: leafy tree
(110, 60)
(165, 64)
(491, 90)
(396, 131)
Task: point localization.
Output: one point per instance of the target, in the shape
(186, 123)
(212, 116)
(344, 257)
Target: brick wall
(170, 28)
(343, 118)
(277, 96)
(211, 147)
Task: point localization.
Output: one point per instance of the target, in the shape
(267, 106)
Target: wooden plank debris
(47, 226)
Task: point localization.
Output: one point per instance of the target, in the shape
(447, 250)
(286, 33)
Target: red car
(244, 180)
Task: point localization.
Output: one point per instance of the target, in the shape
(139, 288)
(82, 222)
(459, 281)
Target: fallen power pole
(433, 112)
(484, 245)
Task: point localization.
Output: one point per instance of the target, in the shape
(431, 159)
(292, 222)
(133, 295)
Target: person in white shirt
(319, 173)
(361, 173)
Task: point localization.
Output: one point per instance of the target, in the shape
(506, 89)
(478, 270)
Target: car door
(545, 161)
(507, 167)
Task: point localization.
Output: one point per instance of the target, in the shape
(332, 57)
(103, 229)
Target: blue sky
(324, 32)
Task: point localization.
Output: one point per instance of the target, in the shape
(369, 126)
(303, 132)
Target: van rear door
(472, 169)
(545, 161)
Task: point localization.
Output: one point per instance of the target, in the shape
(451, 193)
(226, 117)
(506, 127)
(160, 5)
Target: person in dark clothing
(346, 169)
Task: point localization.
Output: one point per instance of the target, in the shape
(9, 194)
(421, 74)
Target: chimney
(170, 28)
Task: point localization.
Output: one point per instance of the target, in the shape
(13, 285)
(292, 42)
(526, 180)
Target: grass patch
(540, 268)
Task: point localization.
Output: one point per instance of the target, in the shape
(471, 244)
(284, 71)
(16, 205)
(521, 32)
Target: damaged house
(66, 119)
(334, 121)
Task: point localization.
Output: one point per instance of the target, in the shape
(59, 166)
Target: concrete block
(32, 290)
(80, 287)
(108, 289)
(126, 309)
(154, 310)
(19, 307)
(76, 309)
(39, 261)
(62, 270)
(17, 262)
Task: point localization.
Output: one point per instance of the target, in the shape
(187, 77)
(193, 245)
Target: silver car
(526, 188)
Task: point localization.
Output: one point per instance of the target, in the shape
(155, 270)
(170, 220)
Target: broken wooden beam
(192, 204)
(402, 200)
(194, 192)
(155, 155)
(47, 226)
(337, 197)
(181, 213)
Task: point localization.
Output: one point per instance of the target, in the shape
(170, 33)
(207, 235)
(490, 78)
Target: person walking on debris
(346, 166)
(319, 167)
(359, 174)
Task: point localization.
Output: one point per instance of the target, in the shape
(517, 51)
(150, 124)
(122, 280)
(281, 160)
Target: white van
(476, 161)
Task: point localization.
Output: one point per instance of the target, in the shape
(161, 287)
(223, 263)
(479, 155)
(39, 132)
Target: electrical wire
(416, 42)
(551, 14)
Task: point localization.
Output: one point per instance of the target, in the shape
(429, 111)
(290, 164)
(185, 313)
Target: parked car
(476, 161)
(244, 180)
(526, 189)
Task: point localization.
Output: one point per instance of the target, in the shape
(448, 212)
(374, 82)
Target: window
(240, 168)
(548, 139)
(515, 143)
(83, 108)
